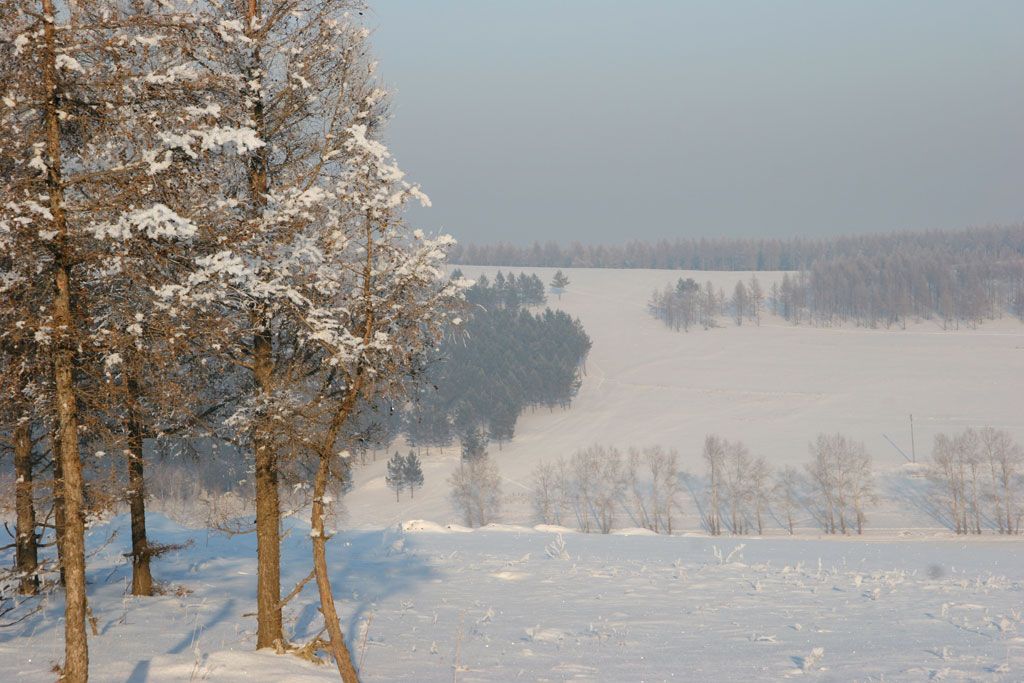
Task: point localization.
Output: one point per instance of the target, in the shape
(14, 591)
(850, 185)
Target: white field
(775, 387)
(430, 601)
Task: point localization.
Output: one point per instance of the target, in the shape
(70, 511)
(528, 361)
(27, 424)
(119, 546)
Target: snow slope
(426, 600)
(774, 387)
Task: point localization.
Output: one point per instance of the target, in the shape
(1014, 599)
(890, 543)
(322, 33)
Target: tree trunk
(76, 648)
(142, 578)
(59, 513)
(27, 549)
(268, 514)
(341, 653)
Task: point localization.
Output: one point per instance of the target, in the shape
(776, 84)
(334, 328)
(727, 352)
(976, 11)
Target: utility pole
(913, 452)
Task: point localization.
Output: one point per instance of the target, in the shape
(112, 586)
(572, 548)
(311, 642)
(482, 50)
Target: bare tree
(961, 462)
(756, 298)
(714, 456)
(599, 483)
(841, 475)
(548, 492)
(738, 464)
(1005, 458)
(476, 491)
(652, 477)
(948, 476)
(760, 489)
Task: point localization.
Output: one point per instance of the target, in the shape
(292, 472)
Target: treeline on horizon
(958, 276)
(991, 244)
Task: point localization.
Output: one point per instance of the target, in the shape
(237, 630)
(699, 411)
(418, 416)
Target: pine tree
(396, 476)
(413, 473)
(474, 445)
(559, 282)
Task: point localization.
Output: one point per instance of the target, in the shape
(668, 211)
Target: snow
(618, 607)
(422, 598)
(68, 63)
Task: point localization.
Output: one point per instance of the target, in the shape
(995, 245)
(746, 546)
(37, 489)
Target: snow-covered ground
(425, 600)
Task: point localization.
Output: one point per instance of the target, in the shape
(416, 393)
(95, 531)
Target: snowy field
(423, 599)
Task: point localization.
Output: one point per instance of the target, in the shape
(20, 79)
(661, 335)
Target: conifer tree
(413, 473)
(396, 476)
(559, 282)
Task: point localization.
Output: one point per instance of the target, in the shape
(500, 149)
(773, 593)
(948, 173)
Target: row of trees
(977, 481)
(977, 475)
(404, 473)
(200, 234)
(687, 303)
(596, 484)
(854, 291)
(954, 289)
(995, 244)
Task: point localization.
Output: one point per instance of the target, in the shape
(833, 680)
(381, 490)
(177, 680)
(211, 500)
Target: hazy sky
(603, 121)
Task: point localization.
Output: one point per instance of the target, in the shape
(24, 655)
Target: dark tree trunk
(142, 577)
(26, 550)
(59, 512)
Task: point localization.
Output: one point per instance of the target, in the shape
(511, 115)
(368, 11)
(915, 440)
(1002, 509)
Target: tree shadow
(916, 493)
(140, 674)
(366, 568)
(376, 567)
(692, 484)
(226, 610)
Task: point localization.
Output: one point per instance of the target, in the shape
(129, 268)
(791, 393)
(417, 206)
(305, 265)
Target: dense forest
(508, 360)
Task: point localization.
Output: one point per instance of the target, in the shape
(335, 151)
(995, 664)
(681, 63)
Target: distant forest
(991, 244)
(509, 359)
(958, 276)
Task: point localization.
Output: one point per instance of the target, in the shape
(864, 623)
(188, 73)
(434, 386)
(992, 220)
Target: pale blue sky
(603, 121)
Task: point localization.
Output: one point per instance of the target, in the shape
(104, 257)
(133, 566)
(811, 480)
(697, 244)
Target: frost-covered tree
(652, 477)
(714, 456)
(841, 477)
(549, 491)
(476, 491)
(90, 94)
(323, 296)
(1004, 459)
(756, 293)
(598, 483)
(976, 476)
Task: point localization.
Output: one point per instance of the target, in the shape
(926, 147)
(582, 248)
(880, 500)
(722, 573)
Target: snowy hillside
(423, 599)
(774, 387)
